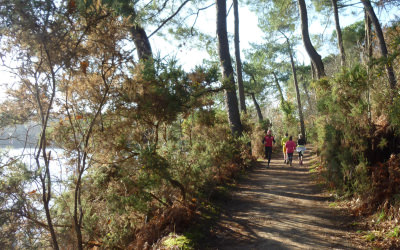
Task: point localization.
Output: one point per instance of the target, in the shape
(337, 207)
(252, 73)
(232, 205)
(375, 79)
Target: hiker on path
(290, 147)
(301, 148)
(283, 142)
(268, 141)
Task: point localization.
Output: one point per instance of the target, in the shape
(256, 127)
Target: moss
(333, 204)
(178, 241)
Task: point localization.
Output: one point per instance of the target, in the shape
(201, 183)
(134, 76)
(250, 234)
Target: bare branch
(197, 15)
(229, 10)
(169, 18)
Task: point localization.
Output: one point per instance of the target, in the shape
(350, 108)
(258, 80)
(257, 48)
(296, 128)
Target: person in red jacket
(268, 141)
(290, 147)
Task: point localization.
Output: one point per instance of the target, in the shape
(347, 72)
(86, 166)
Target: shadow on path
(280, 208)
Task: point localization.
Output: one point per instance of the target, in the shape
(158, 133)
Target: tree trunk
(51, 227)
(142, 43)
(145, 55)
(339, 33)
(231, 101)
(46, 201)
(259, 114)
(368, 37)
(307, 94)
(242, 99)
(313, 73)
(279, 87)
(382, 43)
(367, 58)
(45, 117)
(253, 96)
(303, 129)
(77, 205)
(312, 53)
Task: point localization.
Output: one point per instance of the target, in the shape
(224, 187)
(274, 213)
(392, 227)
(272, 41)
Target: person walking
(268, 141)
(301, 148)
(290, 147)
(283, 142)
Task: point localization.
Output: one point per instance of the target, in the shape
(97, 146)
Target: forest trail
(280, 208)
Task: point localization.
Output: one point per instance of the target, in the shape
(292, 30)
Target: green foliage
(370, 236)
(288, 109)
(194, 154)
(343, 128)
(322, 6)
(383, 143)
(265, 125)
(257, 135)
(395, 233)
(353, 39)
(141, 138)
(356, 128)
(394, 113)
(353, 34)
(381, 217)
(333, 204)
(206, 117)
(177, 241)
(16, 196)
(276, 14)
(138, 138)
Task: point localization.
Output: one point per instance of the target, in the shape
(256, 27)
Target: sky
(249, 33)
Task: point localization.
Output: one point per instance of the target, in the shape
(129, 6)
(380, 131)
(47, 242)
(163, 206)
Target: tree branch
(36, 221)
(208, 91)
(158, 10)
(169, 18)
(197, 15)
(229, 10)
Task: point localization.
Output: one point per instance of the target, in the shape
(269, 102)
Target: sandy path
(280, 208)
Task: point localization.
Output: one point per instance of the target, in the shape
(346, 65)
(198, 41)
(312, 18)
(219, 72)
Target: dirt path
(280, 208)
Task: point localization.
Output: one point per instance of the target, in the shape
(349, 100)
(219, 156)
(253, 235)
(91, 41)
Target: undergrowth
(358, 147)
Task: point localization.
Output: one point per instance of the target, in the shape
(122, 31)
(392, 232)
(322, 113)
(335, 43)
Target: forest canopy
(118, 145)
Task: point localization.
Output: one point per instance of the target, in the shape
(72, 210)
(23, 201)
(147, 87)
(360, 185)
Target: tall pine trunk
(312, 53)
(368, 37)
(142, 43)
(258, 109)
(382, 44)
(279, 87)
(256, 105)
(339, 33)
(231, 101)
(307, 94)
(242, 99)
(296, 84)
(367, 58)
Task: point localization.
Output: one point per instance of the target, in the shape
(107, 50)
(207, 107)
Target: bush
(344, 128)
(354, 141)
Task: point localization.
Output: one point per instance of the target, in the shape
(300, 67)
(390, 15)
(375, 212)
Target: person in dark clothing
(301, 148)
(268, 141)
